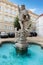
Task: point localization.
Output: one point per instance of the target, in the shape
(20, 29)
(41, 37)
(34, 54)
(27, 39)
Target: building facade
(8, 12)
(33, 18)
(39, 25)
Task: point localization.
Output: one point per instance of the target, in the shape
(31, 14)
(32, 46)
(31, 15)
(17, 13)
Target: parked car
(11, 35)
(4, 35)
(33, 34)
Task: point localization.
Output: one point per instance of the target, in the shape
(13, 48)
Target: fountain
(34, 55)
(22, 45)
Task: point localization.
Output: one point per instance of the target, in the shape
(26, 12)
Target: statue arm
(18, 9)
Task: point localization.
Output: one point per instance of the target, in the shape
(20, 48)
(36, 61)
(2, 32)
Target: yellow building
(8, 12)
(33, 18)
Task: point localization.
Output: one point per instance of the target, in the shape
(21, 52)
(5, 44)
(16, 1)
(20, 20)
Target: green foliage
(16, 23)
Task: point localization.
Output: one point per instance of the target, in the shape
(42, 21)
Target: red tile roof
(41, 15)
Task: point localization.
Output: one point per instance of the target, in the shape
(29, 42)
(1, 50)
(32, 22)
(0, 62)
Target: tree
(16, 23)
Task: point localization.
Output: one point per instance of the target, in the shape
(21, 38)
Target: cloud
(33, 9)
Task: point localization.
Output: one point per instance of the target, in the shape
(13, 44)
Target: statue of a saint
(23, 17)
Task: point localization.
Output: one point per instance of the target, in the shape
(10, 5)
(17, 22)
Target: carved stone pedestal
(22, 45)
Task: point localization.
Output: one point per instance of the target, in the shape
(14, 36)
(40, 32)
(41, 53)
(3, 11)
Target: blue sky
(34, 5)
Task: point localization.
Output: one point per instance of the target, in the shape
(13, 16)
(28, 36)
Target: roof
(8, 2)
(32, 13)
(40, 16)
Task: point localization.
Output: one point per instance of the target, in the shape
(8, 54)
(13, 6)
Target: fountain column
(22, 45)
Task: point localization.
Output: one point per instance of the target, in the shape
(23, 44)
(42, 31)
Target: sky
(36, 6)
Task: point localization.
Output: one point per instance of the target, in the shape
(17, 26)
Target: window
(5, 9)
(0, 13)
(6, 18)
(5, 27)
(0, 17)
(8, 10)
(0, 26)
(10, 27)
(13, 12)
(0, 7)
(10, 19)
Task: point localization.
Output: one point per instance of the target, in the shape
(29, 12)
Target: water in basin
(8, 55)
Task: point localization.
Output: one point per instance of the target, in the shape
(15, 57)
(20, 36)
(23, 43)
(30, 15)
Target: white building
(39, 25)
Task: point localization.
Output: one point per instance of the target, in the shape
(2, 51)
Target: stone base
(22, 45)
(0, 45)
(21, 48)
(21, 51)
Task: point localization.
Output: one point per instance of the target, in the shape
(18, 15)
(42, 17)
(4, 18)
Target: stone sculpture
(23, 17)
(22, 45)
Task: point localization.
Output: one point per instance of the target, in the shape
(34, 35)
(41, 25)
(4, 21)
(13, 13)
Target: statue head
(22, 7)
